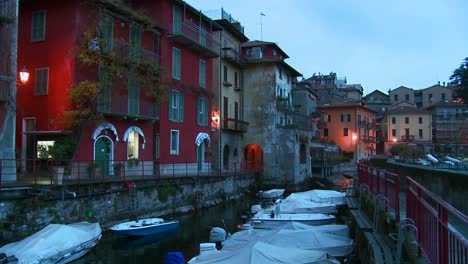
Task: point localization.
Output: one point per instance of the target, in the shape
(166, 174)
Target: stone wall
(23, 217)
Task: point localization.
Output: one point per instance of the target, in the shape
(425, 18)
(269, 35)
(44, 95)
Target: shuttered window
(176, 63)
(104, 97)
(176, 106)
(106, 24)
(202, 74)
(176, 19)
(133, 95)
(135, 41)
(41, 84)
(202, 111)
(38, 23)
(174, 142)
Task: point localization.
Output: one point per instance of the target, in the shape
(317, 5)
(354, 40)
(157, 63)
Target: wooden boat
(144, 227)
(56, 243)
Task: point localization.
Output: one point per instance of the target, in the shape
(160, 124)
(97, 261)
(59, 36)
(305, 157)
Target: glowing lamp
(394, 139)
(354, 137)
(24, 75)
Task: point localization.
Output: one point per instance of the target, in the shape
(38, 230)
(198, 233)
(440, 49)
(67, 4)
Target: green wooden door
(200, 155)
(102, 155)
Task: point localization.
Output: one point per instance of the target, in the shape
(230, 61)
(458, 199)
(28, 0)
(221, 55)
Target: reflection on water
(193, 229)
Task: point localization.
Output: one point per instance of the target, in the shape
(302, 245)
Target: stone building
(277, 137)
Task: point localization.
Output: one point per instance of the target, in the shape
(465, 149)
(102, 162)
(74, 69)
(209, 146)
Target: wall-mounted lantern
(24, 75)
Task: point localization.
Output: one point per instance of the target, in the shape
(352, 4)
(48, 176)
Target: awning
(201, 137)
(105, 126)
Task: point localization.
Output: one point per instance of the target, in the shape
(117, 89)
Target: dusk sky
(380, 44)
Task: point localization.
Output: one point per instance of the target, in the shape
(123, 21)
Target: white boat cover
(257, 252)
(319, 196)
(299, 205)
(51, 241)
(336, 230)
(273, 193)
(307, 239)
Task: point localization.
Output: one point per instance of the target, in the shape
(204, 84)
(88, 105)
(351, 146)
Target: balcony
(190, 36)
(407, 138)
(120, 105)
(5, 90)
(367, 139)
(234, 125)
(232, 55)
(121, 49)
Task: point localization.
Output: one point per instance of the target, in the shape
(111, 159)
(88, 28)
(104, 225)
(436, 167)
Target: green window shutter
(170, 105)
(181, 107)
(202, 74)
(176, 63)
(106, 24)
(176, 20)
(199, 111)
(104, 97)
(202, 34)
(38, 22)
(135, 41)
(206, 112)
(133, 95)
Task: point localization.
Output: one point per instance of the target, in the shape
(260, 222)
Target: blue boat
(144, 227)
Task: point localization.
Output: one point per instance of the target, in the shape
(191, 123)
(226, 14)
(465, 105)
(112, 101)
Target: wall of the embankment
(22, 217)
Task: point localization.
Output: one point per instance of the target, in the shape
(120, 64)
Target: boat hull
(147, 230)
(264, 221)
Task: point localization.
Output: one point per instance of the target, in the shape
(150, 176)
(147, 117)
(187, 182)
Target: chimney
(438, 82)
(443, 84)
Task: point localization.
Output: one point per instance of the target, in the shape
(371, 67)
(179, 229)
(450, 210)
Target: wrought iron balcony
(407, 137)
(232, 55)
(235, 125)
(367, 139)
(122, 49)
(120, 105)
(191, 36)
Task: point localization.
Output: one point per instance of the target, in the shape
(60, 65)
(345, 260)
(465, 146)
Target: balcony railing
(5, 90)
(235, 125)
(194, 38)
(367, 139)
(119, 105)
(121, 49)
(407, 137)
(232, 56)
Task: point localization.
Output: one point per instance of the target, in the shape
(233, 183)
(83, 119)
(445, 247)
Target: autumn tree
(460, 78)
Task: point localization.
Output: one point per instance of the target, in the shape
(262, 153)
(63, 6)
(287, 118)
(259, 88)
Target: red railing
(439, 240)
(381, 182)
(27, 172)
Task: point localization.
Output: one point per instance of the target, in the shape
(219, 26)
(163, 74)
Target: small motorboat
(270, 194)
(144, 227)
(56, 243)
(274, 220)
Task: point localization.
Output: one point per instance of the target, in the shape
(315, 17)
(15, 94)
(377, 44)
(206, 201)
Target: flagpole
(261, 26)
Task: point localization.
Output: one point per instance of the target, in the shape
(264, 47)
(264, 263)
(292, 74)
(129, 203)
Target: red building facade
(137, 51)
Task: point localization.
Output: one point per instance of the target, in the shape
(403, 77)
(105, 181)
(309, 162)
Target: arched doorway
(226, 157)
(103, 154)
(201, 141)
(253, 156)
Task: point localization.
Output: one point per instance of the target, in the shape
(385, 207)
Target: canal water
(194, 228)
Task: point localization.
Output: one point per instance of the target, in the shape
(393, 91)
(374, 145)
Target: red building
(127, 56)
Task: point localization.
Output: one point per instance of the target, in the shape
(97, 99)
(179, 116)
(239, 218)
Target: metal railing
(232, 55)
(121, 49)
(43, 172)
(381, 182)
(194, 33)
(119, 104)
(439, 241)
(234, 124)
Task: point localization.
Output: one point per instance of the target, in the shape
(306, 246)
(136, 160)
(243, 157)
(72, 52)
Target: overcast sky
(380, 44)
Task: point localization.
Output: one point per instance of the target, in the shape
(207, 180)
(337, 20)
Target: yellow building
(407, 124)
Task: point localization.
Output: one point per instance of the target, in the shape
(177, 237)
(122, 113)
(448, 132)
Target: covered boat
(55, 243)
(302, 206)
(319, 196)
(144, 227)
(257, 252)
(270, 194)
(336, 230)
(275, 220)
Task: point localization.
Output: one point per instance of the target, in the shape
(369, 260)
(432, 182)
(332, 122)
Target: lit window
(132, 145)
(43, 149)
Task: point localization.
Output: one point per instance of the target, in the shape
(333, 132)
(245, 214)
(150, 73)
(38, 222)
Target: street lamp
(354, 137)
(24, 75)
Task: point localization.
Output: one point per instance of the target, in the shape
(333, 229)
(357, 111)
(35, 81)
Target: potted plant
(92, 167)
(133, 162)
(59, 155)
(118, 168)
